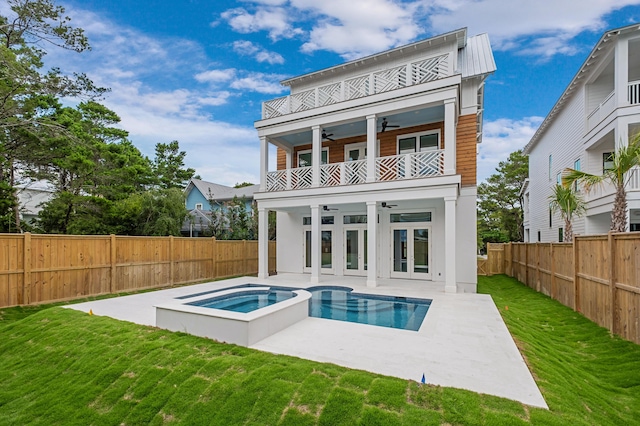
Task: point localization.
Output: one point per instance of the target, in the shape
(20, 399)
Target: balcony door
(411, 251)
(355, 151)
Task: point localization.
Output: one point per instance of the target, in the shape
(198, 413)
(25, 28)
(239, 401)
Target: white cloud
(216, 76)
(274, 20)
(260, 82)
(245, 47)
(502, 137)
(535, 27)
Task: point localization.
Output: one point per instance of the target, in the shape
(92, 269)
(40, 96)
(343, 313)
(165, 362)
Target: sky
(197, 71)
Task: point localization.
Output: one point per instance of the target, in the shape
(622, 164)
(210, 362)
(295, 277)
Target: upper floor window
(305, 157)
(550, 165)
(198, 206)
(419, 142)
(559, 178)
(607, 161)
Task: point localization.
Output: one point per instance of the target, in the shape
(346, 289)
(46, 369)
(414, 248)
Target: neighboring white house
(376, 165)
(31, 198)
(598, 112)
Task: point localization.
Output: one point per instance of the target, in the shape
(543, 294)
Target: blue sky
(197, 71)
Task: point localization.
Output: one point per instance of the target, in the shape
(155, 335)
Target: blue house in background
(201, 196)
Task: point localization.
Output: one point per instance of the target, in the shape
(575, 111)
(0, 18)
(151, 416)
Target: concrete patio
(463, 342)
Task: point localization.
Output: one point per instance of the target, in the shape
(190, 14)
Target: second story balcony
(386, 169)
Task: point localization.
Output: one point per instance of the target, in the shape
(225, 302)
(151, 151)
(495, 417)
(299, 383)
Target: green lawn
(60, 366)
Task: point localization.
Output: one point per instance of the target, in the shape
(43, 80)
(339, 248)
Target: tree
(242, 185)
(28, 96)
(624, 159)
(569, 204)
(500, 211)
(238, 219)
(168, 166)
(159, 212)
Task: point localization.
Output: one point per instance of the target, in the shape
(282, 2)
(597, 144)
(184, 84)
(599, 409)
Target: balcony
(633, 93)
(387, 169)
(364, 85)
(604, 109)
(604, 190)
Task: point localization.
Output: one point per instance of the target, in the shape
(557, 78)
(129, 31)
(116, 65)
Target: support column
(450, 284)
(316, 244)
(264, 162)
(372, 244)
(289, 158)
(621, 74)
(372, 154)
(316, 155)
(263, 243)
(450, 136)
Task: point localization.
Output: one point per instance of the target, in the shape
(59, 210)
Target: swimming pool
(340, 303)
(327, 302)
(247, 301)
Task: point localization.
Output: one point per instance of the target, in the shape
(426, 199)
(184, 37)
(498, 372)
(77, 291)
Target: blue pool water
(339, 303)
(328, 302)
(246, 301)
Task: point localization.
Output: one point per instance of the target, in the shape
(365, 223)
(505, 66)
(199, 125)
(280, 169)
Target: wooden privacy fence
(596, 275)
(44, 268)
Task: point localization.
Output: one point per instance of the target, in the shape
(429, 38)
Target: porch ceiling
(345, 130)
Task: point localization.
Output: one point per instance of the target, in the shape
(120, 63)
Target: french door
(326, 255)
(355, 250)
(411, 251)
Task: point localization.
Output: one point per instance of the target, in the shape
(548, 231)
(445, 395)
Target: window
(198, 206)
(419, 142)
(634, 227)
(550, 216)
(607, 161)
(538, 236)
(560, 234)
(326, 220)
(559, 178)
(411, 217)
(576, 166)
(550, 165)
(359, 218)
(305, 157)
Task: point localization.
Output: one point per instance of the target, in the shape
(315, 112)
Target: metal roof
(476, 58)
(222, 192)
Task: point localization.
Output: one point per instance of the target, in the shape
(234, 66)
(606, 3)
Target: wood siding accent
(466, 146)
(45, 268)
(596, 275)
(281, 159)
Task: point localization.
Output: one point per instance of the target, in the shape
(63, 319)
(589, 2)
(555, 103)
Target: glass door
(410, 252)
(326, 251)
(355, 152)
(355, 245)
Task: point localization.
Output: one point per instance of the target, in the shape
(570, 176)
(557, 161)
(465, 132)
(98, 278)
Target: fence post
(576, 287)
(213, 258)
(171, 265)
(612, 279)
(526, 265)
(538, 286)
(112, 280)
(552, 266)
(245, 258)
(26, 280)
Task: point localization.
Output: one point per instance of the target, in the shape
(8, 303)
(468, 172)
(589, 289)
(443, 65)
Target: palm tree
(569, 203)
(624, 159)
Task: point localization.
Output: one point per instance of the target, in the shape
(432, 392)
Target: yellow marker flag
(90, 311)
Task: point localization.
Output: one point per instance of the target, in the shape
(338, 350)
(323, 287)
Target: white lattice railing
(410, 166)
(364, 85)
(396, 167)
(633, 93)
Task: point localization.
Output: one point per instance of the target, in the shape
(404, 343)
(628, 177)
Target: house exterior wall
(194, 197)
(588, 121)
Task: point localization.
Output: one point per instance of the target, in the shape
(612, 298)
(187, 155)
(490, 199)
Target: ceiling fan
(327, 209)
(327, 136)
(388, 206)
(386, 124)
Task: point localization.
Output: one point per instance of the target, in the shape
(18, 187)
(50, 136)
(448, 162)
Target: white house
(598, 112)
(376, 165)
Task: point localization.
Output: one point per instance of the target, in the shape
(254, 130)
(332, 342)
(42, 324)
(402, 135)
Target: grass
(60, 366)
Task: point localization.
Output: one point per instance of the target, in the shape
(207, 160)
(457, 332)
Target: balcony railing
(606, 189)
(396, 167)
(353, 88)
(604, 109)
(633, 93)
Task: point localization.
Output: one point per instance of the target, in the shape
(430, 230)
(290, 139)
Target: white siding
(563, 140)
